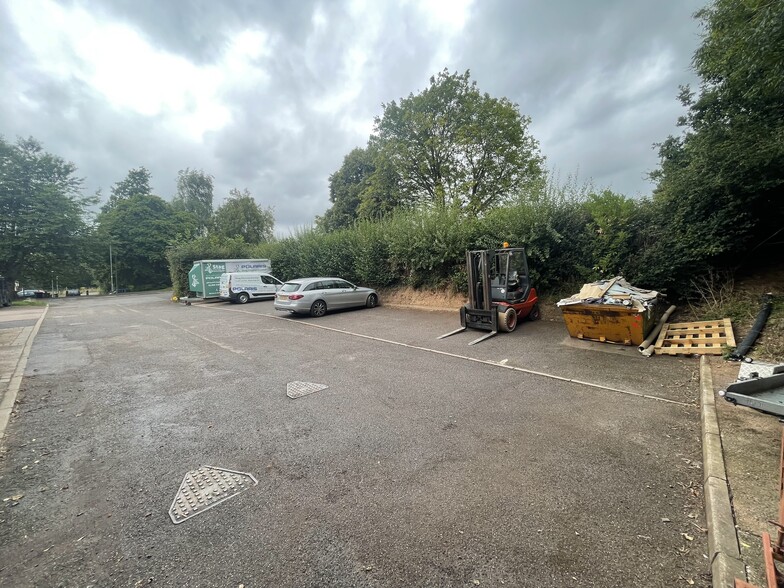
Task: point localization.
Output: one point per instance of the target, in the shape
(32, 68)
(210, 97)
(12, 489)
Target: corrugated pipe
(762, 318)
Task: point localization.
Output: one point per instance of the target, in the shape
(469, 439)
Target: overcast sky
(271, 95)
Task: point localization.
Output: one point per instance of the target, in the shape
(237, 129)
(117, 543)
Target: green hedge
(570, 239)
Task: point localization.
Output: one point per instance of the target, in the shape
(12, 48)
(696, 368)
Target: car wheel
(535, 314)
(318, 308)
(243, 297)
(507, 319)
(372, 301)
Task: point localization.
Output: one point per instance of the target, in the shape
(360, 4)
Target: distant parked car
(27, 294)
(315, 296)
(73, 292)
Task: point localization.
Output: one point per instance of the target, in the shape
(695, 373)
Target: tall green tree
(241, 216)
(719, 186)
(139, 229)
(345, 189)
(43, 215)
(365, 187)
(195, 195)
(453, 145)
(136, 182)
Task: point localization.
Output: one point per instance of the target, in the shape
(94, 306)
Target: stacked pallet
(696, 338)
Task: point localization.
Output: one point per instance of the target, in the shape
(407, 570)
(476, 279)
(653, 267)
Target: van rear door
(223, 290)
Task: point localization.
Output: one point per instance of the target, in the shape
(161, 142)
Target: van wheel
(372, 301)
(507, 319)
(243, 297)
(319, 308)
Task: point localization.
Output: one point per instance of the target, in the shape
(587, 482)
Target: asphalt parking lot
(528, 460)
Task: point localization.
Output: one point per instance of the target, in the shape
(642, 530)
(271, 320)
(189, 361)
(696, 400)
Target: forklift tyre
(535, 314)
(507, 319)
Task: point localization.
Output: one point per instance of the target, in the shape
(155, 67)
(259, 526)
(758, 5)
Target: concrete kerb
(723, 546)
(9, 396)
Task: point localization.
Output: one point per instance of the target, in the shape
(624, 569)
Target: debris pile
(615, 291)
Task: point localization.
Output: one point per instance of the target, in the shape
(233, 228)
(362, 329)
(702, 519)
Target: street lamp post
(51, 290)
(57, 281)
(111, 270)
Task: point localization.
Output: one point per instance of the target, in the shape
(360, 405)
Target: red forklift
(499, 292)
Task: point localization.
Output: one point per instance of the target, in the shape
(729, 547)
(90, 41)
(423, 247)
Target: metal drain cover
(204, 488)
(300, 389)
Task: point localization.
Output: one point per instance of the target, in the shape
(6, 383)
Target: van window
(269, 280)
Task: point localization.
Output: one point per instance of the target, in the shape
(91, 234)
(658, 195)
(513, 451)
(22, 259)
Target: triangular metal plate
(205, 487)
(300, 389)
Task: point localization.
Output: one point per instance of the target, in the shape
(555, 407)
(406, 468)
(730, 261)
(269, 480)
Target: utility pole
(57, 282)
(111, 270)
(51, 290)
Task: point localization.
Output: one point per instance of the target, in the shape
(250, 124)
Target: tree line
(49, 229)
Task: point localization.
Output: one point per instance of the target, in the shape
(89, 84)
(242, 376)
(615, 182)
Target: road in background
(412, 468)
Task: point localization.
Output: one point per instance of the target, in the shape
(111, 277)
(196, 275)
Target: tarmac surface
(424, 462)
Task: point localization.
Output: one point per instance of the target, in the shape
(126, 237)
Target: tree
(345, 189)
(42, 214)
(194, 195)
(139, 229)
(136, 182)
(719, 186)
(241, 216)
(451, 144)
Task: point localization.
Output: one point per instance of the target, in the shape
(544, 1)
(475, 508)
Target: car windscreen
(290, 287)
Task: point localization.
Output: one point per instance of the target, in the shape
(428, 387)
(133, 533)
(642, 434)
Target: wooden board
(700, 338)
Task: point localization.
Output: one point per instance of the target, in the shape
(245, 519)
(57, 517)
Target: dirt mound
(422, 299)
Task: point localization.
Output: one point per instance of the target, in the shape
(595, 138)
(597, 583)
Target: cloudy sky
(270, 95)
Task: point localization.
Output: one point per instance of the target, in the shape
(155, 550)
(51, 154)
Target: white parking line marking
(457, 356)
(221, 345)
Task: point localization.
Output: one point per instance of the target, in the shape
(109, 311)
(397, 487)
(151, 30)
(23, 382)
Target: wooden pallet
(700, 338)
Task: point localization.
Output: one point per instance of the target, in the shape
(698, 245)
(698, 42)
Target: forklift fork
(475, 341)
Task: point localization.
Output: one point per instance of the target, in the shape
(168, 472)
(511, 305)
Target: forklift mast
(479, 292)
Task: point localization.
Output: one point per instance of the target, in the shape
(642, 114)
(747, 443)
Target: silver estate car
(315, 296)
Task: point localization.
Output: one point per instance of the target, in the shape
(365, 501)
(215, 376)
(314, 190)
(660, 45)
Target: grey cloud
(567, 65)
(199, 29)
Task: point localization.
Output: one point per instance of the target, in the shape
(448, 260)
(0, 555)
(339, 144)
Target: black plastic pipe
(759, 324)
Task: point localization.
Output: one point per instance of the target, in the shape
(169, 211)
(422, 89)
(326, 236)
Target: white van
(243, 286)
